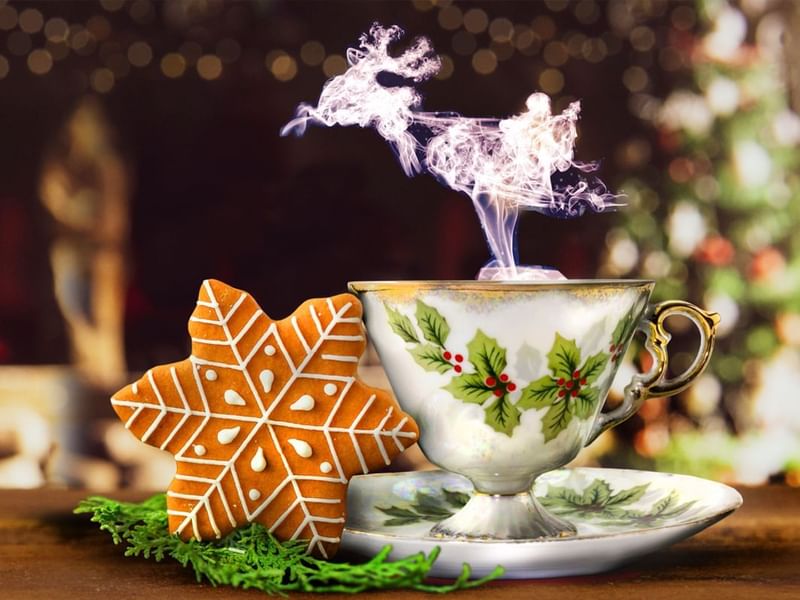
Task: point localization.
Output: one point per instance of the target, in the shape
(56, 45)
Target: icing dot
(199, 449)
(226, 436)
(258, 462)
(211, 375)
(233, 398)
(254, 494)
(304, 402)
(325, 467)
(267, 378)
(302, 448)
(269, 349)
(330, 389)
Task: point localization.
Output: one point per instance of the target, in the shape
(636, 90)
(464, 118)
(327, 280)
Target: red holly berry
(457, 368)
(503, 377)
(570, 383)
(611, 348)
(498, 392)
(491, 381)
(511, 387)
(583, 381)
(560, 381)
(447, 356)
(562, 393)
(575, 392)
(576, 374)
(459, 358)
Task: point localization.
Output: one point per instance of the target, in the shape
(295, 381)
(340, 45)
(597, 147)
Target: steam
(524, 162)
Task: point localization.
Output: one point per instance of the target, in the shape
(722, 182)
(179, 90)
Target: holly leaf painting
(266, 419)
(596, 501)
(430, 358)
(540, 393)
(401, 325)
(567, 391)
(433, 325)
(502, 416)
(563, 358)
(470, 388)
(486, 355)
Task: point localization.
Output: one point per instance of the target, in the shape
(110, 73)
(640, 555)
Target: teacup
(508, 380)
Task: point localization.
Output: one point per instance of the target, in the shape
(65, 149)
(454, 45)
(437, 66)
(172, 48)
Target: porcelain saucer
(620, 515)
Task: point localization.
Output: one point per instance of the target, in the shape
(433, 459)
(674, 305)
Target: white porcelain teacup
(507, 380)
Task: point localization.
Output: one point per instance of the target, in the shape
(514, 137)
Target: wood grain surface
(47, 552)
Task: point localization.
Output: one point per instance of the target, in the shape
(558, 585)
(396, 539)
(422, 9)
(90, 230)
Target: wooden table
(46, 552)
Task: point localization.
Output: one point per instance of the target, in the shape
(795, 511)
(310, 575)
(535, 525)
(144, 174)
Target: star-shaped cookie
(266, 419)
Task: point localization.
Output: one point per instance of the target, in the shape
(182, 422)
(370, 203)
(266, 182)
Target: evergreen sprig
(252, 558)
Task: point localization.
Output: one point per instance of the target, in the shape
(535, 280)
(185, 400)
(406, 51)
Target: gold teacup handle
(652, 383)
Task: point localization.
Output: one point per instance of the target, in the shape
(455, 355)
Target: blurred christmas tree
(725, 233)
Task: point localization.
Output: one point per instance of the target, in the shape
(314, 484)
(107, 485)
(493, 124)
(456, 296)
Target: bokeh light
(209, 67)
(312, 53)
(173, 65)
(484, 61)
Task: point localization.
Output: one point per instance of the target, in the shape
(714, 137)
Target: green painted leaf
(593, 367)
(539, 394)
(564, 358)
(629, 496)
(564, 497)
(396, 511)
(469, 387)
(619, 331)
(555, 420)
(583, 405)
(623, 330)
(455, 497)
(502, 416)
(597, 494)
(433, 325)
(430, 358)
(488, 358)
(401, 325)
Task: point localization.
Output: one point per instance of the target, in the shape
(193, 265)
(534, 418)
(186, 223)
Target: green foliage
(252, 558)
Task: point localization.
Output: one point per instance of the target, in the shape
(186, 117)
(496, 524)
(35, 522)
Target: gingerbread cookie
(266, 419)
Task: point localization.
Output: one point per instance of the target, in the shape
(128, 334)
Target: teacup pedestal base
(503, 517)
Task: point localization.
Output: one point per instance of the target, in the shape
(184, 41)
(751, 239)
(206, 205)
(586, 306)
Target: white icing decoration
(330, 389)
(269, 349)
(254, 494)
(199, 449)
(258, 463)
(267, 378)
(325, 467)
(226, 436)
(233, 398)
(211, 375)
(135, 387)
(302, 448)
(304, 402)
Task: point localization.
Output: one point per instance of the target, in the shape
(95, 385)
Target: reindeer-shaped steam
(504, 165)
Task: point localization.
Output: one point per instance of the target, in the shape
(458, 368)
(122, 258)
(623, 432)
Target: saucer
(620, 515)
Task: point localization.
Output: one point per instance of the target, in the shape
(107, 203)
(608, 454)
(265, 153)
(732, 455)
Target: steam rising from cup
(524, 162)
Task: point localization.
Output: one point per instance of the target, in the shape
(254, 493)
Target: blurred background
(139, 154)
